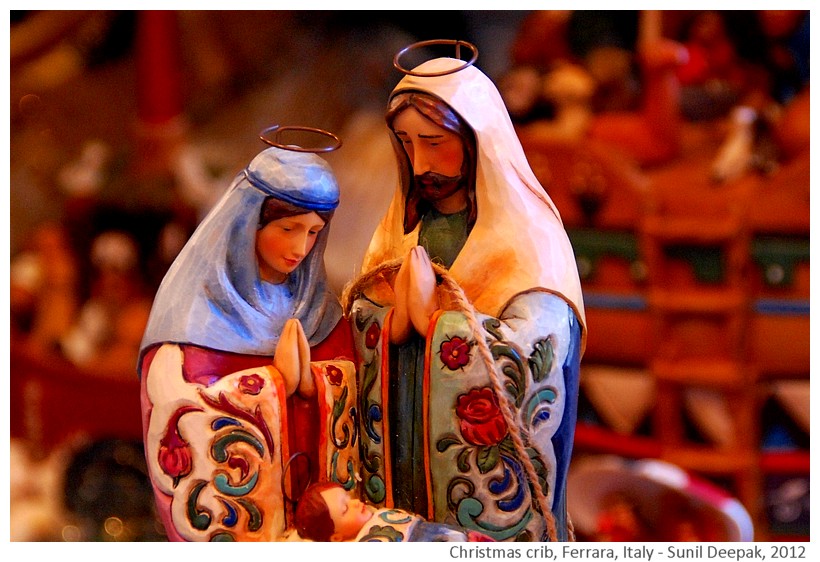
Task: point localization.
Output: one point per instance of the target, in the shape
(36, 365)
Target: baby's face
(349, 514)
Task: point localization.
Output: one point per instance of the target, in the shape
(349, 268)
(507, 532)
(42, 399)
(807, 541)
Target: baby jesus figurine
(327, 512)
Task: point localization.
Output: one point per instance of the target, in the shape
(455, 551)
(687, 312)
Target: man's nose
(421, 162)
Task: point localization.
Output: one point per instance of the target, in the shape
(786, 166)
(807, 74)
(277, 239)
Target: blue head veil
(212, 294)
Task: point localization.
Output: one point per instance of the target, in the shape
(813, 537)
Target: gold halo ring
(456, 42)
(275, 134)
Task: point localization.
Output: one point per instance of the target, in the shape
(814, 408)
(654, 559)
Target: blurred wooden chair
(695, 240)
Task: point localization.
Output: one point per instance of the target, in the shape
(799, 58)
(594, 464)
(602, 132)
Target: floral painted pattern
(174, 455)
(251, 384)
(455, 352)
(481, 420)
(479, 475)
(334, 375)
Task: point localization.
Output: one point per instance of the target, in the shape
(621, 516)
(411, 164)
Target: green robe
(442, 236)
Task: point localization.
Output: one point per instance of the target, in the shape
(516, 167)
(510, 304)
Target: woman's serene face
(282, 244)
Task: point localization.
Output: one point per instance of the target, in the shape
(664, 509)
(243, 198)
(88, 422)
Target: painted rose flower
(334, 375)
(481, 420)
(371, 338)
(455, 353)
(175, 461)
(174, 455)
(251, 384)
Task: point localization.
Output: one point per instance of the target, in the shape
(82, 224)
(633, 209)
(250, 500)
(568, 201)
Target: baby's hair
(312, 518)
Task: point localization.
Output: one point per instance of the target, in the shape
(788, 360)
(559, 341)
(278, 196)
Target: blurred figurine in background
(650, 135)
(747, 68)
(714, 76)
(217, 403)
(44, 287)
(107, 331)
(469, 275)
(608, 78)
(787, 61)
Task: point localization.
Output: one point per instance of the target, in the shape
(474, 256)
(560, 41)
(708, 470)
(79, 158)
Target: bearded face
(439, 160)
(434, 187)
